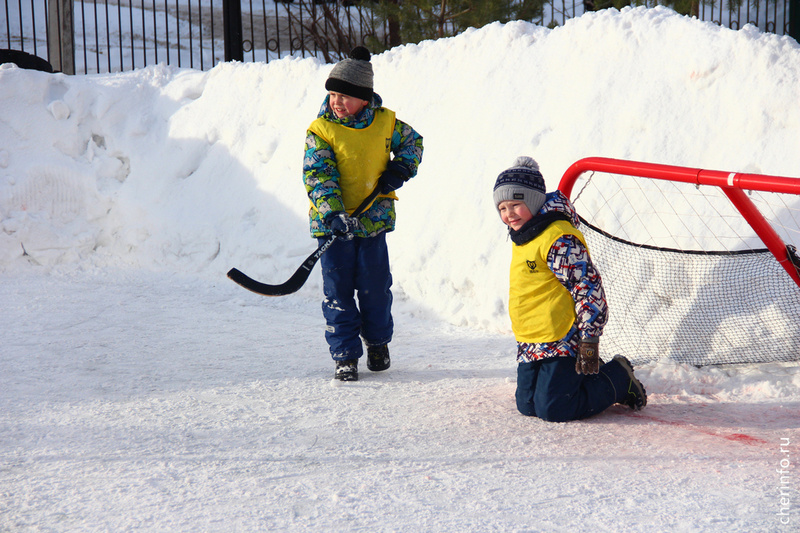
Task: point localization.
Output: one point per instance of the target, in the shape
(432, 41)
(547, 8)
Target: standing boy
(557, 306)
(354, 146)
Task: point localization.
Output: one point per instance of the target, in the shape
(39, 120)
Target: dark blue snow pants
(356, 269)
(551, 389)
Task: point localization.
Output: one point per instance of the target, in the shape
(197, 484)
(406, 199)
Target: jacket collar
(532, 228)
(362, 120)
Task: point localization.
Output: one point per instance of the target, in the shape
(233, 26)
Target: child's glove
(588, 360)
(395, 175)
(342, 225)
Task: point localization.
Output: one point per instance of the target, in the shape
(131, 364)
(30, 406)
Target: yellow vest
(541, 308)
(361, 154)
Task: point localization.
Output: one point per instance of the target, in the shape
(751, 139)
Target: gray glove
(588, 360)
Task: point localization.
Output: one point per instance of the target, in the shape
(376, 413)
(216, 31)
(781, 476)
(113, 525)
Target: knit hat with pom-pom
(522, 182)
(352, 76)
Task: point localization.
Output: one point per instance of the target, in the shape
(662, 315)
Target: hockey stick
(300, 276)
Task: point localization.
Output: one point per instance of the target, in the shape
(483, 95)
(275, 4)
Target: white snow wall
(165, 168)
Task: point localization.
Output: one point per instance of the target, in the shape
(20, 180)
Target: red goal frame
(733, 184)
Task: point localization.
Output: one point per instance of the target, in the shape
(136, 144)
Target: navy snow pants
(551, 389)
(352, 270)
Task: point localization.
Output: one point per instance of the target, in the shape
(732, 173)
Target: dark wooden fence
(99, 36)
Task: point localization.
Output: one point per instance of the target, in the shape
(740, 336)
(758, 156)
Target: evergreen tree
(684, 7)
(412, 21)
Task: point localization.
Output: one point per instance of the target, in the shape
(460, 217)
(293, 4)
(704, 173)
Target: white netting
(685, 276)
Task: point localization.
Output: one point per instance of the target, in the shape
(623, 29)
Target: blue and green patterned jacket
(321, 176)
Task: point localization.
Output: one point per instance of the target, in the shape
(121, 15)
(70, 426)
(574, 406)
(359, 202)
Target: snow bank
(176, 169)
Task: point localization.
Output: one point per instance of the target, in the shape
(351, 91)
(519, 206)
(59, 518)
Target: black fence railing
(99, 36)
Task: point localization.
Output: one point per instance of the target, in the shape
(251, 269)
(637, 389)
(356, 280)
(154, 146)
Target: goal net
(687, 272)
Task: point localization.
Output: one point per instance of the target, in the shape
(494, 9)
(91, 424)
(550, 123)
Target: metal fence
(115, 35)
(100, 36)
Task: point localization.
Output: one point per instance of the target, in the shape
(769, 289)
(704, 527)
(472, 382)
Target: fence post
(794, 19)
(232, 22)
(61, 41)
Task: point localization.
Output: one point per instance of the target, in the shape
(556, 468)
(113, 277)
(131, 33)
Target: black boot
(635, 396)
(347, 370)
(378, 358)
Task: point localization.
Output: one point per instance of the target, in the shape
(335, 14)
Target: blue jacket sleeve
(407, 147)
(321, 176)
(570, 262)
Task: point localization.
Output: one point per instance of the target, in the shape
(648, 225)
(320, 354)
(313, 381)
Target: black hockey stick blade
(300, 276)
(293, 284)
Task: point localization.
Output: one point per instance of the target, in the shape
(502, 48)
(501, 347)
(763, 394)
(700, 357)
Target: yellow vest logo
(531, 265)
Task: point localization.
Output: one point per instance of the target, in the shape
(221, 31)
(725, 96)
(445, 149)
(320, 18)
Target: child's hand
(395, 175)
(343, 225)
(588, 360)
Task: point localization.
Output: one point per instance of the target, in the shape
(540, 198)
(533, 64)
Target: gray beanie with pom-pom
(352, 76)
(522, 182)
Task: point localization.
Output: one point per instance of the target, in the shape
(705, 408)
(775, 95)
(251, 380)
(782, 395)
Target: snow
(140, 389)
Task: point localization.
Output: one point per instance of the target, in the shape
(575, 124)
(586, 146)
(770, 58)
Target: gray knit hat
(524, 182)
(352, 76)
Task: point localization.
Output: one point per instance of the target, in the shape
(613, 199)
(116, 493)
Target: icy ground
(136, 400)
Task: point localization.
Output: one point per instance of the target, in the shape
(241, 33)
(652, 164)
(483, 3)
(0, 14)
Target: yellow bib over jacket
(361, 154)
(540, 307)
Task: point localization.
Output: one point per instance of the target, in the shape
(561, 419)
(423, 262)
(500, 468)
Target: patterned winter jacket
(569, 260)
(321, 175)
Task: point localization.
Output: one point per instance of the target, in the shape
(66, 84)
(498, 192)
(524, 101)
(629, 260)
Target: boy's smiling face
(514, 213)
(344, 105)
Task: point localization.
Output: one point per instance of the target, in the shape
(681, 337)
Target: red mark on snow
(747, 439)
(736, 437)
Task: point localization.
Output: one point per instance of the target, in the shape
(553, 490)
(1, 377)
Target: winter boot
(378, 357)
(636, 397)
(347, 370)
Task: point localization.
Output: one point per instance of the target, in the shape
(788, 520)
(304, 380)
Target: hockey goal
(699, 266)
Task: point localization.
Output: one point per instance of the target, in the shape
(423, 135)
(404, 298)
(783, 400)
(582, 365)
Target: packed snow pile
(201, 171)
